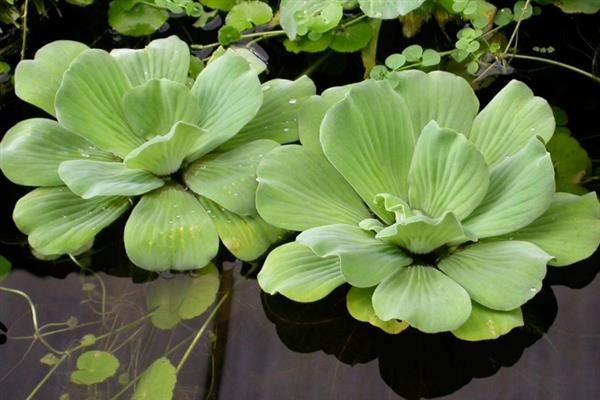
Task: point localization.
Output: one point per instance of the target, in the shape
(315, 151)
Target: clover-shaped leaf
(94, 367)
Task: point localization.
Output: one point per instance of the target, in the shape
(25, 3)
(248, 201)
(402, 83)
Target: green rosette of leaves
(133, 123)
(439, 216)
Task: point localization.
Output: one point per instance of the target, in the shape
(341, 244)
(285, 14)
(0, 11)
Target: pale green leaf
(163, 155)
(229, 178)
(486, 324)
(60, 222)
(163, 58)
(440, 96)
(420, 234)
(31, 151)
(447, 173)
(300, 17)
(169, 229)
(395, 205)
(38, 80)
(246, 237)
(364, 260)
(299, 189)
(388, 9)
(360, 306)
(157, 382)
(424, 297)
(294, 271)
(88, 102)
(155, 106)
(368, 137)
(182, 297)
(569, 230)
(90, 178)
(230, 95)
(500, 275)
(312, 113)
(509, 122)
(277, 118)
(521, 189)
(94, 367)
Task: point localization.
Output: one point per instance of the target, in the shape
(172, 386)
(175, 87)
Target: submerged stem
(558, 64)
(200, 333)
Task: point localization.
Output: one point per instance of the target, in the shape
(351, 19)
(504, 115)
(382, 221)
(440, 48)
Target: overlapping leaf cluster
(134, 123)
(438, 216)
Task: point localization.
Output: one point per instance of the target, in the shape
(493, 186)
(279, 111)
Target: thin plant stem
(24, 28)
(516, 30)
(38, 334)
(261, 35)
(200, 333)
(558, 64)
(102, 285)
(46, 377)
(85, 324)
(353, 21)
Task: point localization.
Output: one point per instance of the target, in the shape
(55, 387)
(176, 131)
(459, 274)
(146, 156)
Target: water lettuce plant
(437, 215)
(133, 123)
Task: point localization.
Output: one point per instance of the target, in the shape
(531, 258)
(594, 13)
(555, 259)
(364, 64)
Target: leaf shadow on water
(413, 364)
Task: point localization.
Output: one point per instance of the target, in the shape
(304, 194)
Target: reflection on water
(266, 347)
(412, 363)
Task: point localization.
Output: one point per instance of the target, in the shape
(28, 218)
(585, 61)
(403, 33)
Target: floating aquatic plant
(135, 123)
(438, 216)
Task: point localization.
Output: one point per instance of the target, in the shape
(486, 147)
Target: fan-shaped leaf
(31, 151)
(38, 80)
(163, 155)
(447, 173)
(163, 58)
(368, 137)
(155, 106)
(521, 189)
(277, 118)
(312, 113)
(246, 237)
(299, 189)
(440, 96)
(509, 122)
(499, 275)
(297, 273)
(88, 102)
(60, 222)
(230, 178)
(89, 178)
(169, 229)
(424, 297)
(421, 235)
(230, 95)
(364, 260)
(485, 323)
(360, 306)
(569, 230)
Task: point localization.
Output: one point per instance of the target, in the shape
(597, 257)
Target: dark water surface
(265, 347)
